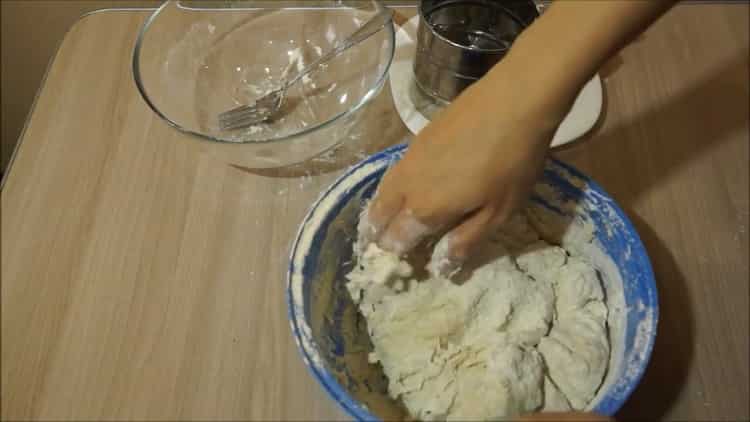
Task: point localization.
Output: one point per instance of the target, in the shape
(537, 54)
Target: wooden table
(143, 279)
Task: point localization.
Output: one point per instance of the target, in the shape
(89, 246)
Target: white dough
(576, 352)
(525, 332)
(554, 400)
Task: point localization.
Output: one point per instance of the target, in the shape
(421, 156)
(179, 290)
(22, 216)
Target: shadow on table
(674, 349)
(685, 127)
(377, 127)
(688, 125)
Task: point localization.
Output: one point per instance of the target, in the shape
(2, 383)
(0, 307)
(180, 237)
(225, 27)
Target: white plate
(581, 118)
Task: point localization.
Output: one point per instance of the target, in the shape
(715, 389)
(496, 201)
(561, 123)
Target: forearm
(486, 150)
(565, 47)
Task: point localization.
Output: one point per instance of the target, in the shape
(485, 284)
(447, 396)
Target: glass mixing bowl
(196, 59)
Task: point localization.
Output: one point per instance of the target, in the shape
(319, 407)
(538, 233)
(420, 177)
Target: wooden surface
(144, 279)
(26, 53)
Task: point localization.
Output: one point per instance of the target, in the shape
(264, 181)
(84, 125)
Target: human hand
(468, 170)
(474, 165)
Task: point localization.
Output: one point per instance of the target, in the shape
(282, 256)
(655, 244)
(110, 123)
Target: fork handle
(371, 27)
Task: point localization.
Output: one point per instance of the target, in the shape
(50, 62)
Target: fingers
(470, 232)
(457, 245)
(403, 233)
(370, 228)
(398, 234)
(388, 222)
(385, 206)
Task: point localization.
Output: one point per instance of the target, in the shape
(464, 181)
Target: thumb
(404, 232)
(378, 214)
(457, 245)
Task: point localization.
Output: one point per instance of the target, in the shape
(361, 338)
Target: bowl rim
(138, 79)
(608, 403)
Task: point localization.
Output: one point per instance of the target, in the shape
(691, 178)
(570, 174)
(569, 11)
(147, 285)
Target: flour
(248, 91)
(297, 60)
(525, 331)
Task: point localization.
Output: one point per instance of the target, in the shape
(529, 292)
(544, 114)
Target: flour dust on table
(522, 328)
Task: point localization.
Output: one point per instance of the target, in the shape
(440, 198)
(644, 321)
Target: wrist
(552, 79)
(533, 93)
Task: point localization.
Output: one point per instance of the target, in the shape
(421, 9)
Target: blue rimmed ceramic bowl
(332, 336)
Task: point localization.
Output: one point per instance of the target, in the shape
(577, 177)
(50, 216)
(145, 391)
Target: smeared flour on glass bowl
(523, 330)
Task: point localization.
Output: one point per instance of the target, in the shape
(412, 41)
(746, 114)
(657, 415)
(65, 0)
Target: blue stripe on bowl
(621, 242)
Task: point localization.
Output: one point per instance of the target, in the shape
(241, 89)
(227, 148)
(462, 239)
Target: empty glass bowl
(196, 59)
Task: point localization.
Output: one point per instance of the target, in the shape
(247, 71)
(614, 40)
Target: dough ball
(576, 352)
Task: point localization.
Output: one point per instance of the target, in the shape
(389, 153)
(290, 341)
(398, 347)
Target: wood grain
(144, 279)
(673, 151)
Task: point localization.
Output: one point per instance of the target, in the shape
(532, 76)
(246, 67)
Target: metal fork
(266, 106)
